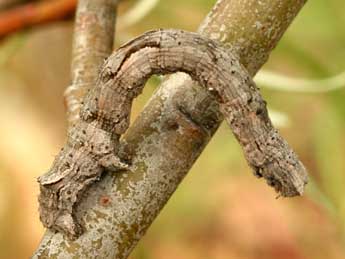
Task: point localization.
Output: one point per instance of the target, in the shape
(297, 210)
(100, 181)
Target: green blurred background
(220, 210)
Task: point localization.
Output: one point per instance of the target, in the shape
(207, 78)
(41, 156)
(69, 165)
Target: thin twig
(92, 43)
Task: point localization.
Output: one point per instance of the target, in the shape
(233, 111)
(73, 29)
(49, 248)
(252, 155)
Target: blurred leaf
(329, 139)
(10, 46)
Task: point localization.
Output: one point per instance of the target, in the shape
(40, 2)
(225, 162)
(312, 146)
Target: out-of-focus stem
(281, 82)
(30, 14)
(138, 12)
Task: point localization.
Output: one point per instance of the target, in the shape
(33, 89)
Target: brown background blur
(220, 210)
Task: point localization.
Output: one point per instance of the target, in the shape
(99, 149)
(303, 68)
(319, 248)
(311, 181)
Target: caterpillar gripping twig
(93, 143)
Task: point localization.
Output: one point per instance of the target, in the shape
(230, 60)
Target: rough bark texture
(93, 42)
(93, 143)
(119, 208)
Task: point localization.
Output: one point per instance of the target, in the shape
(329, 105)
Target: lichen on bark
(162, 157)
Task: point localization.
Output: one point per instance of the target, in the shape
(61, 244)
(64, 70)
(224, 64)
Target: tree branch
(163, 157)
(93, 42)
(93, 142)
(34, 13)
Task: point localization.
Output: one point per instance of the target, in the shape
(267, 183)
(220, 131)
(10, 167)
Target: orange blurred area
(221, 210)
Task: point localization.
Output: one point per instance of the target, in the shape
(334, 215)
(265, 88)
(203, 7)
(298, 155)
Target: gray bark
(163, 156)
(92, 42)
(93, 143)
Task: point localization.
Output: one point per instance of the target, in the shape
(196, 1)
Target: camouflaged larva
(92, 144)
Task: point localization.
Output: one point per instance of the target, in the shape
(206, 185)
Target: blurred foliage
(220, 210)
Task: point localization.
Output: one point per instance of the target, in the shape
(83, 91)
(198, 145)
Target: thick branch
(93, 42)
(93, 142)
(164, 156)
(218, 71)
